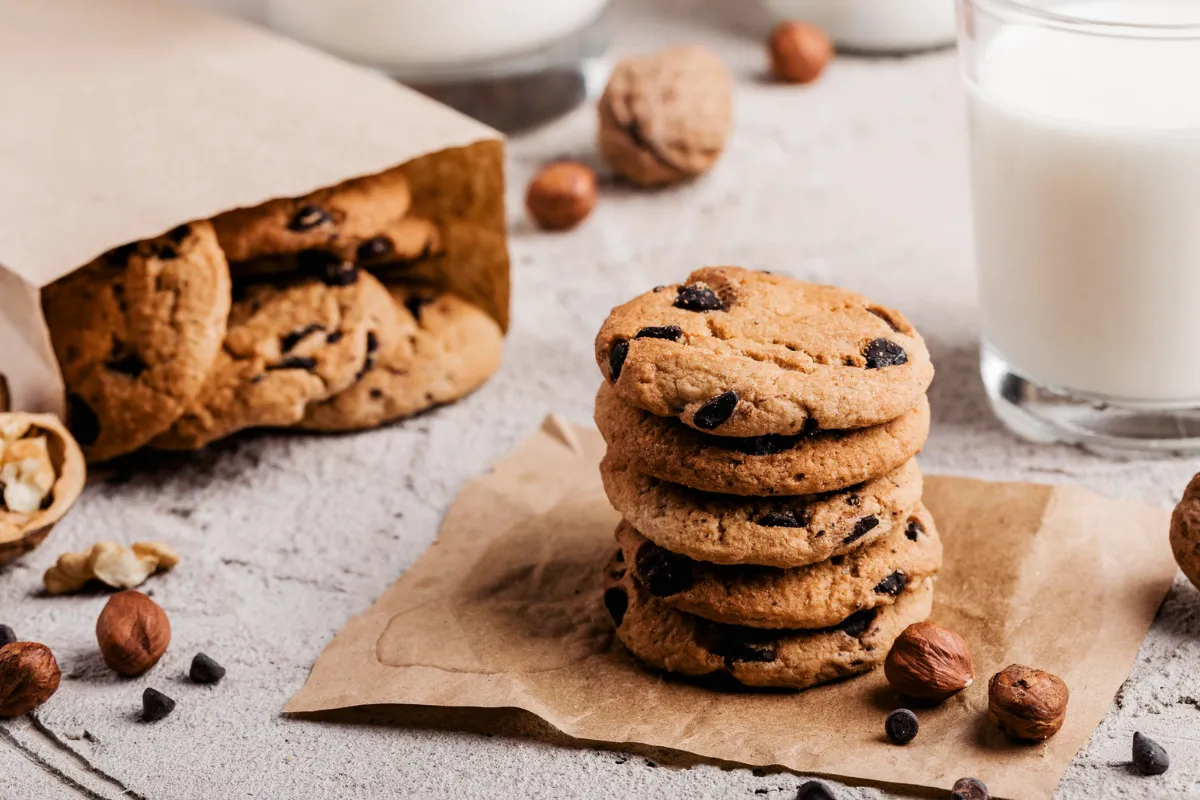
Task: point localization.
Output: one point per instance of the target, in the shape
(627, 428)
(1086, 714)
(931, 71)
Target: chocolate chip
(617, 603)
(740, 645)
(672, 333)
(129, 364)
(698, 297)
(1149, 757)
(783, 519)
(334, 337)
(767, 445)
(893, 584)
(914, 529)
(294, 362)
(82, 420)
(119, 256)
(620, 557)
(372, 342)
(854, 500)
(901, 726)
(179, 233)
(861, 529)
(7, 636)
(376, 394)
(375, 248)
(616, 358)
(969, 789)
(155, 705)
(328, 267)
(884, 353)
(857, 623)
(414, 304)
(295, 337)
(308, 217)
(717, 411)
(835, 560)
(811, 427)
(664, 573)
(205, 670)
(814, 790)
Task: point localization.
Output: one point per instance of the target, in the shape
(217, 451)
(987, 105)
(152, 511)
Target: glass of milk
(1085, 165)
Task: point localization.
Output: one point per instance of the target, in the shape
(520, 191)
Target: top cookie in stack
(760, 434)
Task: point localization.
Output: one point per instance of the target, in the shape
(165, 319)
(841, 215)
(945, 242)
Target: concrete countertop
(858, 180)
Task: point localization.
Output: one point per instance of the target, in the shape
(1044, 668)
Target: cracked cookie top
(740, 353)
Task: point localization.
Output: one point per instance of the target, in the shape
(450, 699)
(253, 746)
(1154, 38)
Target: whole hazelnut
(929, 662)
(29, 675)
(133, 633)
(799, 52)
(1185, 532)
(561, 195)
(1027, 703)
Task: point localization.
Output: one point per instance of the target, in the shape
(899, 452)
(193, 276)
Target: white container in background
(1085, 154)
(878, 26)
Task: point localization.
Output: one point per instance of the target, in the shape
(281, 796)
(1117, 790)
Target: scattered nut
(901, 726)
(814, 790)
(1149, 757)
(29, 675)
(665, 117)
(155, 705)
(1027, 703)
(7, 636)
(110, 563)
(41, 475)
(205, 670)
(969, 789)
(561, 195)
(799, 52)
(133, 633)
(1185, 532)
(929, 662)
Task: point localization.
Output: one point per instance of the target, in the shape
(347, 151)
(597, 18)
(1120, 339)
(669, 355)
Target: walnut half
(42, 473)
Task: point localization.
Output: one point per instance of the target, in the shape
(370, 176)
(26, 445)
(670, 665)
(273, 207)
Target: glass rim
(1022, 10)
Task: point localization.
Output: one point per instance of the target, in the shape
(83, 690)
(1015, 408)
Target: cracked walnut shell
(42, 473)
(665, 117)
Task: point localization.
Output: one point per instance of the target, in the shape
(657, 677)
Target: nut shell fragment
(24, 438)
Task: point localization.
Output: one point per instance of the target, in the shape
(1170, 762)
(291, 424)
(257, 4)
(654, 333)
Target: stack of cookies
(761, 434)
(266, 317)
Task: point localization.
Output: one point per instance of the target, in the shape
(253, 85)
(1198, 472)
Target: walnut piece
(109, 563)
(665, 117)
(41, 475)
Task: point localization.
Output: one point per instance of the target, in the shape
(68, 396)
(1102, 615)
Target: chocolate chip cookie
(815, 596)
(444, 349)
(136, 333)
(287, 346)
(340, 217)
(740, 353)
(676, 641)
(785, 532)
(758, 466)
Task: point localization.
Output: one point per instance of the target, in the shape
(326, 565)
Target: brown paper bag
(125, 118)
(504, 611)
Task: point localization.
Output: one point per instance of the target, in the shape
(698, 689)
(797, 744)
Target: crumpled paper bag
(504, 610)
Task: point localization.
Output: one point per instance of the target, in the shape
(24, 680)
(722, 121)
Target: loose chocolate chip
(119, 256)
(884, 353)
(1149, 757)
(893, 584)
(156, 705)
(914, 529)
(814, 790)
(861, 529)
(414, 304)
(857, 623)
(672, 333)
(129, 364)
(716, 411)
(617, 603)
(294, 362)
(334, 337)
(377, 394)
(901, 726)
(664, 573)
(969, 789)
(783, 519)
(7, 636)
(308, 217)
(295, 337)
(698, 297)
(205, 670)
(82, 420)
(616, 358)
(179, 233)
(375, 248)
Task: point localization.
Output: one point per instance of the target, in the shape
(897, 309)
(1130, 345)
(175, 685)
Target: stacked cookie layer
(761, 434)
(266, 317)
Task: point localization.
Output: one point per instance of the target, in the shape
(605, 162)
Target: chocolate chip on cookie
(664, 573)
(616, 359)
(671, 333)
(862, 528)
(884, 353)
(716, 412)
(698, 297)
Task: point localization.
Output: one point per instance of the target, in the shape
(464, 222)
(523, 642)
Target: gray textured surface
(858, 180)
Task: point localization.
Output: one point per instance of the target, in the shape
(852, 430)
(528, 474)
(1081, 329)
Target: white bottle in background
(1086, 181)
(877, 26)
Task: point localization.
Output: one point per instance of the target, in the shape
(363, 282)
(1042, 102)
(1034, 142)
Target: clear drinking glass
(1085, 166)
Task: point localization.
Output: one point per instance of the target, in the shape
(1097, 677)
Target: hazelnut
(929, 662)
(562, 195)
(799, 52)
(1027, 703)
(1185, 532)
(28, 677)
(133, 633)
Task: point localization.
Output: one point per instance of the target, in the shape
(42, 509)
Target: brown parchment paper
(125, 118)
(504, 611)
